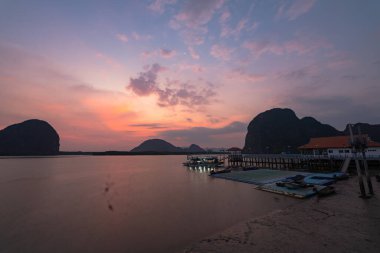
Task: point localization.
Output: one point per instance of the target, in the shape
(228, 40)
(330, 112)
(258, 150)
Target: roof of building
(334, 142)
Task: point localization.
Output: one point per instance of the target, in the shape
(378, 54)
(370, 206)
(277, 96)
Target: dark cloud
(173, 93)
(213, 119)
(150, 126)
(352, 77)
(167, 53)
(297, 74)
(146, 84)
(336, 110)
(203, 135)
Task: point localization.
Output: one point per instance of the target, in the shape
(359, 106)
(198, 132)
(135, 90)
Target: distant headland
(32, 137)
(273, 131)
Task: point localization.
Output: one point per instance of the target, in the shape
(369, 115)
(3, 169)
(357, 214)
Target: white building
(337, 146)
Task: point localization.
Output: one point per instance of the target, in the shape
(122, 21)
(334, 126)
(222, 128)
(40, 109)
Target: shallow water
(118, 204)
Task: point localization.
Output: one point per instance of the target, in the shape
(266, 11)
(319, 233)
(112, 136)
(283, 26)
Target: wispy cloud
(225, 16)
(149, 125)
(197, 13)
(240, 75)
(193, 18)
(243, 24)
(195, 68)
(295, 8)
(300, 73)
(134, 36)
(108, 60)
(162, 52)
(122, 37)
(221, 52)
(167, 53)
(234, 28)
(193, 53)
(171, 93)
(159, 5)
(300, 46)
(139, 37)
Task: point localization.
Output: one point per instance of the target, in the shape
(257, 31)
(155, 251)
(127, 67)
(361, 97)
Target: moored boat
(208, 161)
(328, 190)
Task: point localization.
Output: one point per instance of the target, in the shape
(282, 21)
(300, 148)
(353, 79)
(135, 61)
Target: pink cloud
(146, 83)
(122, 37)
(300, 46)
(339, 60)
(108, 60)
(148, 54)
(159, 5)
(226, 14)
(162, 52)
(172, 93)
(193, 53)
(239, 75)
(221, 52)
(195, 68)
(301, 73)
(340, 64)
(191, 21)
(296, 8)
(197, 13)
(240, 26)
(167, 53)
(138, 37)
(135, 36)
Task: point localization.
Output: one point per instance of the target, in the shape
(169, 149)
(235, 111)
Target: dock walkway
(295, 162)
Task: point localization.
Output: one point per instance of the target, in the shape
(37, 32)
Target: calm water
(118, 204)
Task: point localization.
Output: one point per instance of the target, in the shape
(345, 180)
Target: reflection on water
(201, 169)
(118, 204)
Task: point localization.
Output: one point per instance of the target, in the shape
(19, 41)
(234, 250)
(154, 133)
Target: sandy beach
(343, 222)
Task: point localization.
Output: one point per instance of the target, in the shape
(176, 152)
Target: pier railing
(293, 161)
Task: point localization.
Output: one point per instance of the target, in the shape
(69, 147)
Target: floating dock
(260, 176)
(300, 193)
(266, 179)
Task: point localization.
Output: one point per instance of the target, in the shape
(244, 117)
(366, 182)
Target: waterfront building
(338, 146)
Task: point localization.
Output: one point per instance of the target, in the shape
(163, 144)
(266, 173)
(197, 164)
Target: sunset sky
(108, 75)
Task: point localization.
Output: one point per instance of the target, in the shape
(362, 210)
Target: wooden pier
(293, 162)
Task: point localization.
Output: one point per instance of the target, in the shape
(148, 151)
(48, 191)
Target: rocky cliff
(373, 131)
(31, 137)
(280, 130)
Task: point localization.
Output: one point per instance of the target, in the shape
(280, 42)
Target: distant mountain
(156, 145)
(373, 131)
(31, 137)
(194, 148)
(280, 130)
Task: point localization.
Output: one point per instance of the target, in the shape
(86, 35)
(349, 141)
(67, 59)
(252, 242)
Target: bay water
(118, 204)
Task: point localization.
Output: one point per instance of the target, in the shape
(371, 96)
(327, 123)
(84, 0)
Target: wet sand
(338, 223)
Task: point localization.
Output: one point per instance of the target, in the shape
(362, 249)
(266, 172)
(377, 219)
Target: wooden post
(363, 149)
(360, 178)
